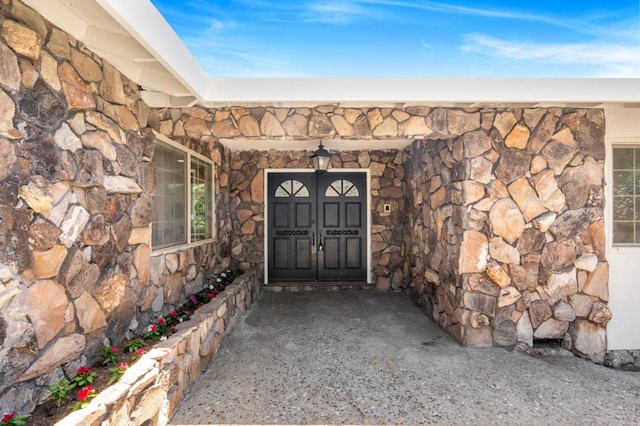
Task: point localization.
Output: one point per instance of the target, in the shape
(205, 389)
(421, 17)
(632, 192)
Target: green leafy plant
(152, 332)
(84, 376)
(164, 326)
(138, 355)
(14, 419)
(118, 372)
(109, 355)
(134, 345)
(60, 392)
(161, 326)
(85, 395)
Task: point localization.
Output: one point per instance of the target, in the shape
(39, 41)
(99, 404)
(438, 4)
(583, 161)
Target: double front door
(317, 228)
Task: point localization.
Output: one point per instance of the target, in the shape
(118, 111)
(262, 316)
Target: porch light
(320, 159)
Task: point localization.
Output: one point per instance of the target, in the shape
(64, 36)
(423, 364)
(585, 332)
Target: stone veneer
(246, 170)
(151, 390)
(623, 359)
(496, 225)
(76, 188)
(507, 229)
(387, 187)
(504, 240)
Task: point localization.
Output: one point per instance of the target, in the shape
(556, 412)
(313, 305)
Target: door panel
(331, 217)
(303, 253)
(317, 226)
(303, 215)
(281, 246)
(342, 197)
(331, 253)
(354, 253)
(291, 227)
(354, 214)
(281, 215)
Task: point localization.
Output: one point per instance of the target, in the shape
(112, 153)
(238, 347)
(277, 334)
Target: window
(290, 188)
(626, 195)
(201, 200)
(183, 202)
(342, 187)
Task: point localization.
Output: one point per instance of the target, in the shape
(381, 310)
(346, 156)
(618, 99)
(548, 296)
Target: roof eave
(473, 92)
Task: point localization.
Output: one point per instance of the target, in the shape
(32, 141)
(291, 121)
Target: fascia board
(486, 91)
(145, 23)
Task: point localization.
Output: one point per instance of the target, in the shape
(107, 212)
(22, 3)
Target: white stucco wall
(623, 127)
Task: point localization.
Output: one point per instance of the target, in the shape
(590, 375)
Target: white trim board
(623, 128)
(338, 145)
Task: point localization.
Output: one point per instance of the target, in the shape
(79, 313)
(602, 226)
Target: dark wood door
(292, 226)
(316, 227)
(341, 227)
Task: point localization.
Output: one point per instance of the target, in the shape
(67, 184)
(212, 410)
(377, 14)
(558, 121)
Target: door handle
(321, 246)
(313, 239)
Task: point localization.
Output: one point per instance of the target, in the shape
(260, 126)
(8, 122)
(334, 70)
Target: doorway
(317, 226)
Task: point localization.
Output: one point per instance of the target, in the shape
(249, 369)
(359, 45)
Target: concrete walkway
(374, 358)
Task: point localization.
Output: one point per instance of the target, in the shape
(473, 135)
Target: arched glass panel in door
(342, 187)
(290, 188)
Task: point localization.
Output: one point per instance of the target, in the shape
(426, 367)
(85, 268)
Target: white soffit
(517, 92)
(242, 144)
(134, 37)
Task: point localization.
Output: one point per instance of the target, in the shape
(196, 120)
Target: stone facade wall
(151, 390)
(504, 240)
(387, 171)
(76, 187)
(507, 229)
(623, 359)
(496, 222)
(246, 174)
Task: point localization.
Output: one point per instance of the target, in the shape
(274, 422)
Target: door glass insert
(342, 187)
(290, 188)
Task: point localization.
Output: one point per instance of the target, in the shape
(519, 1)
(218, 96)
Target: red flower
(141, 352)
(153, 328)
(123, 366)
(83, 370)
(114, 349)
(211, 295)
(173, 329)
(85, 392)
(7, 417)
(161, 321)
(173, 314)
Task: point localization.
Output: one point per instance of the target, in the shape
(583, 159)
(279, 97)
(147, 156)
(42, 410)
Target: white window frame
(188, 208)
(613, 144)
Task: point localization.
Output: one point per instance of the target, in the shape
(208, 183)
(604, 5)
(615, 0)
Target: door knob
(321, 246)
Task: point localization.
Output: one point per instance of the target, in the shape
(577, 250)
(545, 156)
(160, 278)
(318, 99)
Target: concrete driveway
(374, 358)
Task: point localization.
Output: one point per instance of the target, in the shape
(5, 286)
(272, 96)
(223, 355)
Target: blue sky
(410, 38)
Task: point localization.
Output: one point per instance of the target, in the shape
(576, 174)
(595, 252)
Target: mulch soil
(48, 413)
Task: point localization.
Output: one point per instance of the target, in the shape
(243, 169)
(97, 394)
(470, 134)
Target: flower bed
(152, 388)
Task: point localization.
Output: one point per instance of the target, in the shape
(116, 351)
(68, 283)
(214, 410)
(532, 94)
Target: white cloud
(435, 6)
(334, 12)
(216, 25)
(219, 37)
(611, 60)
